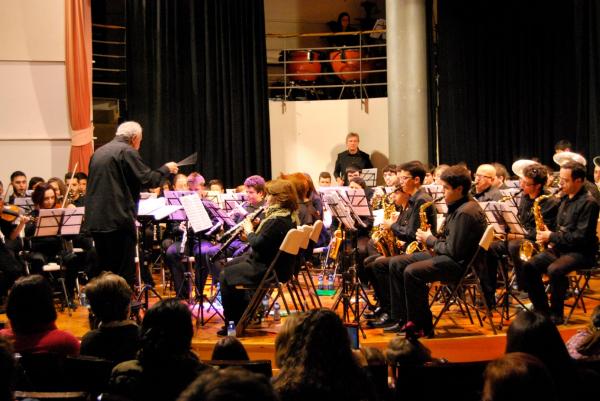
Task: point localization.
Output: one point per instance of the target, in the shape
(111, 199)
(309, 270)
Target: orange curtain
(78, 43)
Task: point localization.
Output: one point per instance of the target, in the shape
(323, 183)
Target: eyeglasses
(405, 177)
(483, 176)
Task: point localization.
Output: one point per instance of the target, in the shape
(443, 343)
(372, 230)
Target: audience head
(8, 369)
(285, 334)
(324, 179)
(167, 332)
(535, 334)
(406, 351)
(456, 181)
(18, 179)
(281, 192)
(34, 182)
(44, 196)
(229, 349)
(591, 345)
(517, 377)
(30, 305)
(132, 132)
(109, 296)
(229, 384)
(255, 189)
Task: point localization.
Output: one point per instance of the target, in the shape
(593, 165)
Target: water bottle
(331, 282)
(219, 293)
(320, 281)
(83, 300)
(276, 312)
(231, 329)
(265, 304)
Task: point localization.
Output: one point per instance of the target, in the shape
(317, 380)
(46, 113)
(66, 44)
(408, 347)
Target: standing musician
(484, 190)
(352, 156)
(533, 181)
(411, 176)
(453, 248)
(117, 172)
(264, 241)
(573, 245)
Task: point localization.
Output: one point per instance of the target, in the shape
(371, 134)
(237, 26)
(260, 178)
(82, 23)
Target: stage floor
(456, 338)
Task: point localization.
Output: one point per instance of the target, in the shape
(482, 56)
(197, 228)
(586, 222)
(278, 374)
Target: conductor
(117, 173)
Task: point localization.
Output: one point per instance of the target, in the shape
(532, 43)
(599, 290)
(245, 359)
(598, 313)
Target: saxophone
(334, 246)
(416, 246)
(383, 238)
(528, 248)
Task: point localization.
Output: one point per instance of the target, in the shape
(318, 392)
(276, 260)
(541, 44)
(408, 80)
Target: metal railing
(329, 72)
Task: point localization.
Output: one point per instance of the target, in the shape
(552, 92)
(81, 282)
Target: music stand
(60, 222)
(26, 203)
(200, 222)
(370, 176)
(174, 198)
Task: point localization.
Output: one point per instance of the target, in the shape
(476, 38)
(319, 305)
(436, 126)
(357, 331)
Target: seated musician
(180, 183)
(34, 182)
(18, 180)
(390, 179)
(324, 179)
(342, 25)
(306, 211)
(280, 217)
(484, 190)
(411, 177)
(50, 248)
(216, 185)
(501, 176)
(10, 266)
(533, 185)
(573, 245)
(196, 182)
(82, 180)
(453, 247)
(73, 189)
(61, 191)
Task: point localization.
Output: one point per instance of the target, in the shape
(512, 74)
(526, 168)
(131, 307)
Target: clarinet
(234, 233)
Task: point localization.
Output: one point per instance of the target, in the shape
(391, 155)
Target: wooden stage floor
(456, 338)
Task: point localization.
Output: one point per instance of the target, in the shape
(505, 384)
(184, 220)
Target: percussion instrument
(301, 65)
(346, 63)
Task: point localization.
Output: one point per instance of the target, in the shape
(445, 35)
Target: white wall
(310, 134)
(34, 127)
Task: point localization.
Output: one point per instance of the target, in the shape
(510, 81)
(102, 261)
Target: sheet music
(173, 198)
(217, 213)
(434, 190)
(338, 209)
(378, 215)
(232, 202)
(493, 214)
(358, 201)
(370, 176)
(197, 216)
(51, 222)
(72, 220)
(149, 205)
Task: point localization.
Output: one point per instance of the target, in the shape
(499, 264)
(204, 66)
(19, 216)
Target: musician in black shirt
(572, 245)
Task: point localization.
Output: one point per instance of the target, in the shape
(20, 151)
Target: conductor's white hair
(129, 129)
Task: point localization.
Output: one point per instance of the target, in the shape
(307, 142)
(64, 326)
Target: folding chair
(469, 284)
(578, 282)
(305, 269)
(293, 285)
(288, 250)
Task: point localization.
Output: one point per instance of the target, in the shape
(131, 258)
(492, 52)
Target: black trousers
(416, 277)
(116, 253)
(556, 266)
(396, 287)
(378, 273)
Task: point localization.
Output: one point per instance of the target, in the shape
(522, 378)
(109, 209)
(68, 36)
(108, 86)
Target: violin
(10, 213)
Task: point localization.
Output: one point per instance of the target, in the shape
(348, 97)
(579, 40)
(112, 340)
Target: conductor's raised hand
(172, 166)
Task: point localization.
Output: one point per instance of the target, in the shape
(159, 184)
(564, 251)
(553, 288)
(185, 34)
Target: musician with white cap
(561, 158)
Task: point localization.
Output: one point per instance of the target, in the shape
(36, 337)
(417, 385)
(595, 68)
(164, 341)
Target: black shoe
(373, 315)
(222, 332)
(398, 327)
(383, 321)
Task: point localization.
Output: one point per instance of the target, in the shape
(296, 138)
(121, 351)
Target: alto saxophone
(383, 238)
(336, 241)
(528, 248)
(417, 246)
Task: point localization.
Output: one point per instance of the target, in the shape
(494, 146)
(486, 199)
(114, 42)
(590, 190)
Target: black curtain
(515, 77)
(197, 82)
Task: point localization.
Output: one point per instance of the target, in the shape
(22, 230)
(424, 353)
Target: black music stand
(58, 223)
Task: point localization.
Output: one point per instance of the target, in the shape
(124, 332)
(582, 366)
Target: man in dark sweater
(453, 247)
(351, 157)
(117, 173)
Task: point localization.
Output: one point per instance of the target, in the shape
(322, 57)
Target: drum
(301, 65)
(346, 64)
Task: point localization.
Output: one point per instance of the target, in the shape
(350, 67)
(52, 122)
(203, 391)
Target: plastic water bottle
(83, 300)
(231, 329)
(276, 312)
(265, 304)
(320, 281)
(219, 293)
(331, 282)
